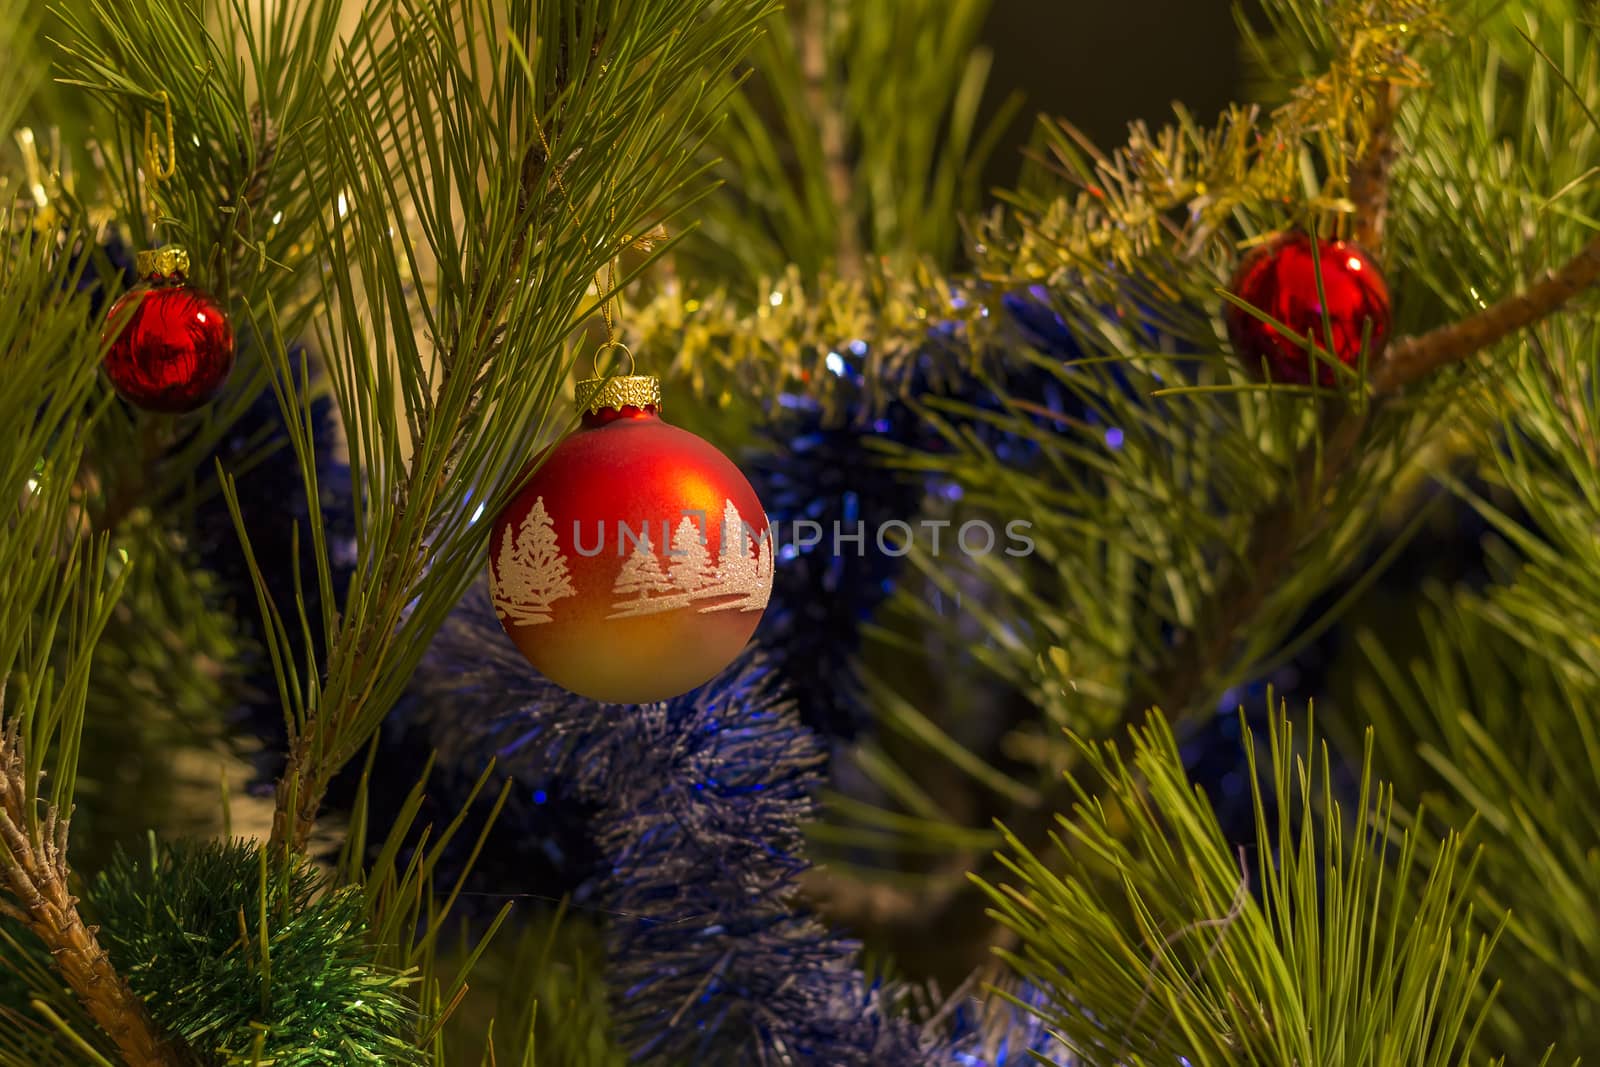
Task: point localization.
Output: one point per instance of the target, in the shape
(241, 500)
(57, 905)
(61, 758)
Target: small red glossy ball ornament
(174, 345)
(635, 562)
(1280, 279)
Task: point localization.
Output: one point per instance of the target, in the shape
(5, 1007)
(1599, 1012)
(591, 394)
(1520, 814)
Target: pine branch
(1275, 539)
(1413, 359)
(1493, 715)
(482, 259)
(33, 862)
(1297, 517)
(1150, 947)
(1278, 532)
(311, 763)
(856, 138)
(59, 596)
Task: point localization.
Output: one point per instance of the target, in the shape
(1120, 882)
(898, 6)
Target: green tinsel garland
(251, 963)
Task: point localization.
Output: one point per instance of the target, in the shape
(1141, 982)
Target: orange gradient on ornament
(623, 470)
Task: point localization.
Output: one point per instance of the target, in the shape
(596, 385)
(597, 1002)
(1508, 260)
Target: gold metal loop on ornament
(595, 395)
(613, 343)
(173, 259)
(153, 163)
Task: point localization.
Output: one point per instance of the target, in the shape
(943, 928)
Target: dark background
(1103, 63)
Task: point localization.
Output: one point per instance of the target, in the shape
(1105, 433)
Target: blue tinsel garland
(827, 466)
(822, 471)
(681, 822)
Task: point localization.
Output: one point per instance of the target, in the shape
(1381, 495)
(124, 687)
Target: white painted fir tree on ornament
(529, 573)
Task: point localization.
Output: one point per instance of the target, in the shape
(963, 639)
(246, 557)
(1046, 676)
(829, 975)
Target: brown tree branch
(1369, 178)
(298, 796)
(134, 485)
(833, 136)
(1415, 358)
(33, 869)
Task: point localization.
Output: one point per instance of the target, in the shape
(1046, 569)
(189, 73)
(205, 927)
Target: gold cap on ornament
(595, 395)
(172, 259)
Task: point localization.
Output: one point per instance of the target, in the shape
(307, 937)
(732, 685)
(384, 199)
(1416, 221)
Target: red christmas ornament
(174, 348)
(1280, 279)
(636, 561)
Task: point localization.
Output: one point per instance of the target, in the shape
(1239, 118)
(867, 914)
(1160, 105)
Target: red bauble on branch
(1280, 279)
(174, 347)
(636, 561)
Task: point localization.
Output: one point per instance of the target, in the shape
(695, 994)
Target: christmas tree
(640, 577)
(689, 565)
(1184, 559)
(529, 574)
